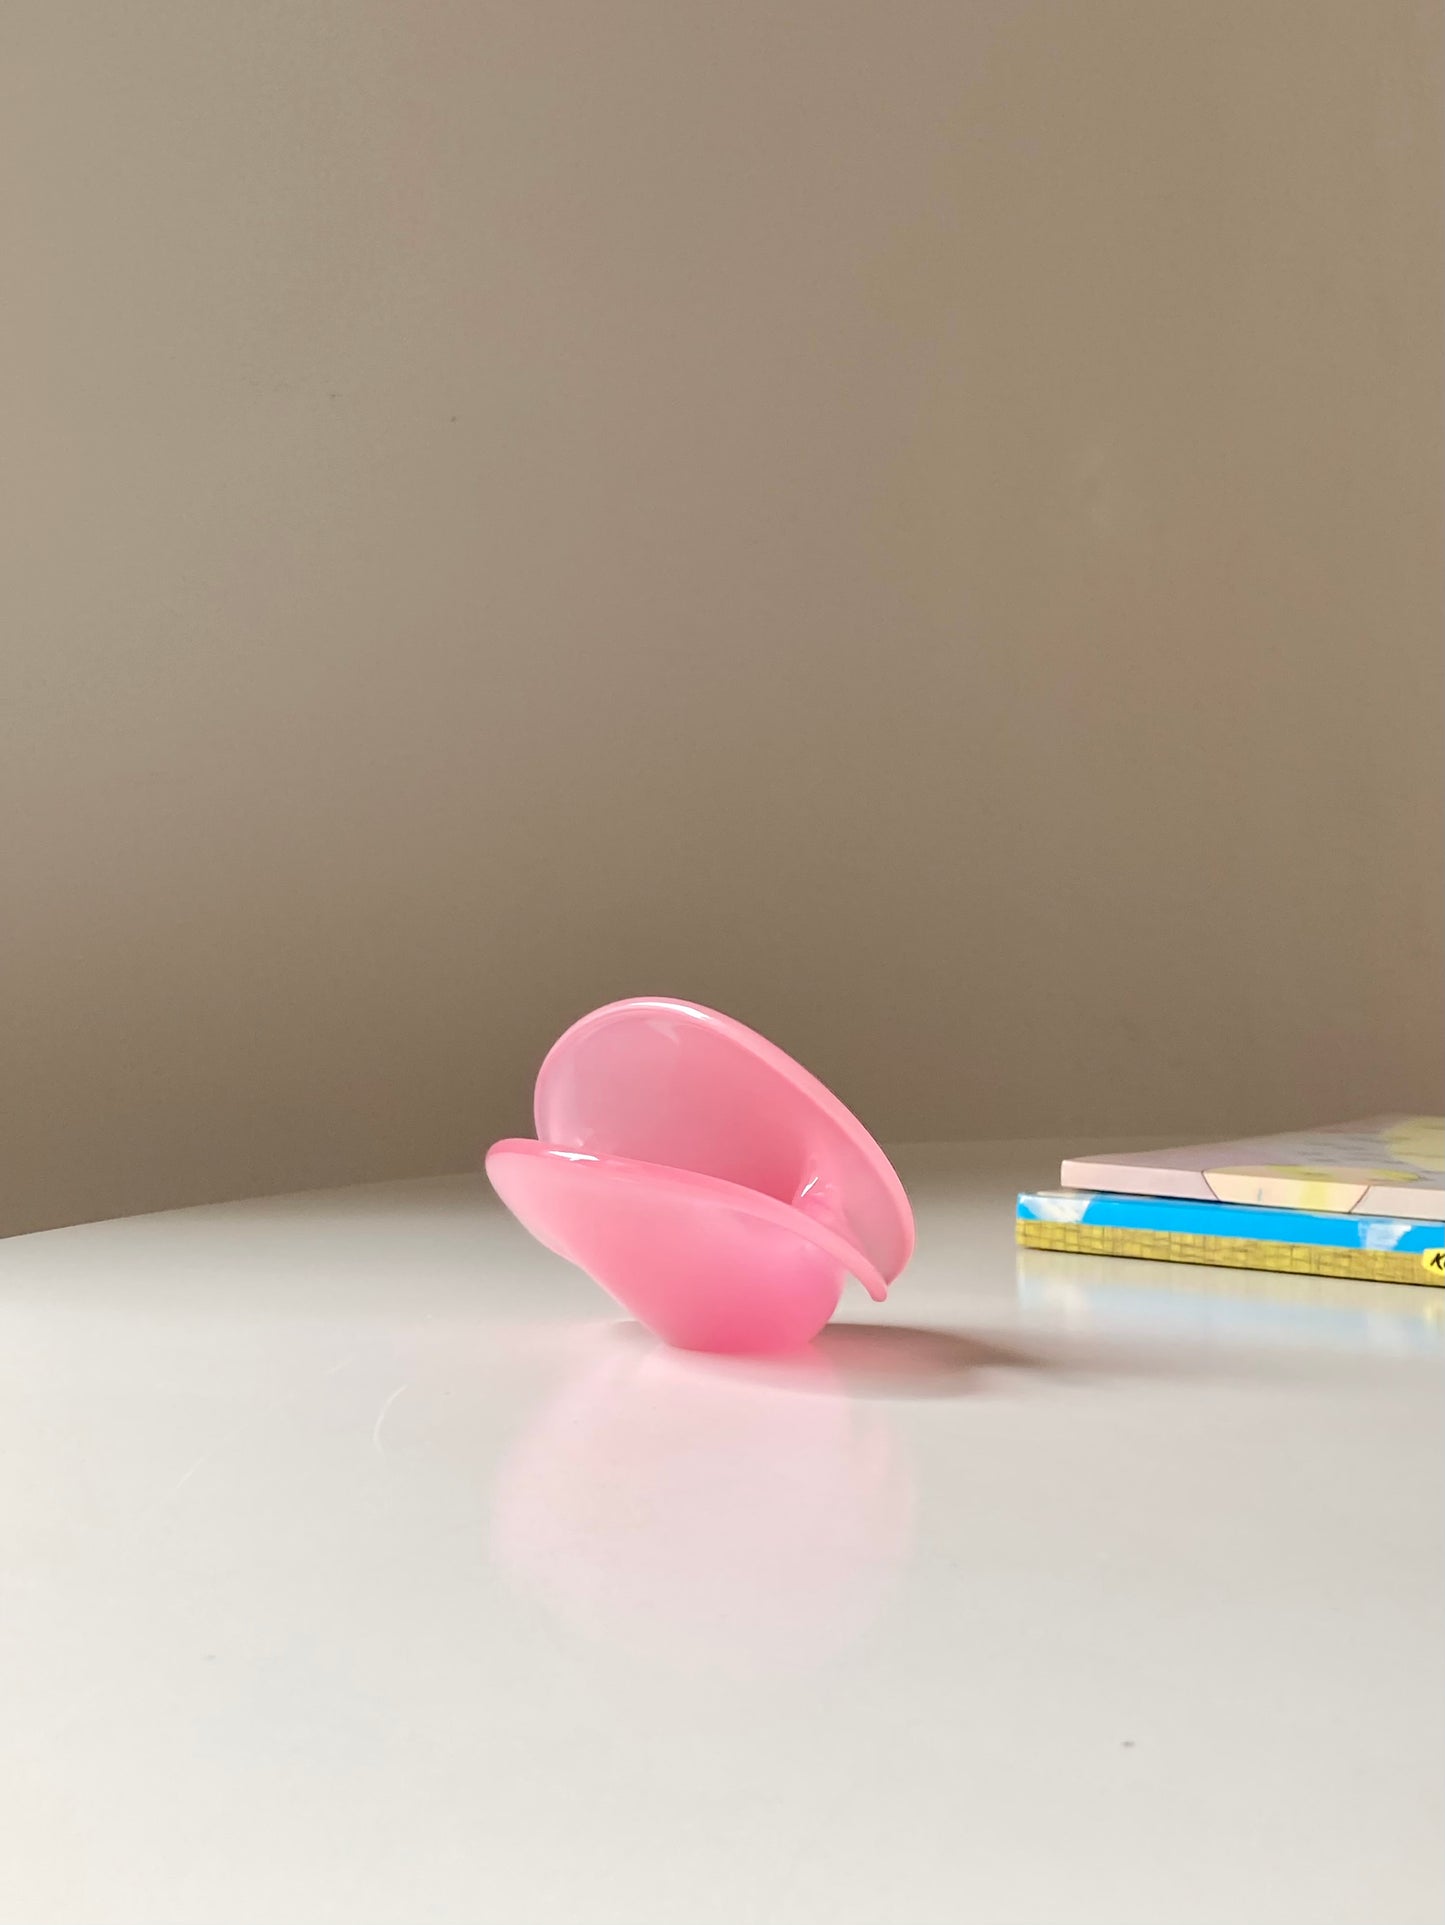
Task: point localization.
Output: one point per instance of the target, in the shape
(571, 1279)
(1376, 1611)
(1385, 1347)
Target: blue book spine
(1175, 1216)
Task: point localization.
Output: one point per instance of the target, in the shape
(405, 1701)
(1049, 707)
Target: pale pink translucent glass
(703, 1178)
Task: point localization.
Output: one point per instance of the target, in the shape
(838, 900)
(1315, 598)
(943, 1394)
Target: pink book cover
(1384, 1166)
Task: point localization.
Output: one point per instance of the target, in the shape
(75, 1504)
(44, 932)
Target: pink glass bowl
(703, 1178)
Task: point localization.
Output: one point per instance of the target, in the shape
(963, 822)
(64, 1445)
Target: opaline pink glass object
(703, 1178)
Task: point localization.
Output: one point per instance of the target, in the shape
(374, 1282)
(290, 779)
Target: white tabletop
(359, 1564)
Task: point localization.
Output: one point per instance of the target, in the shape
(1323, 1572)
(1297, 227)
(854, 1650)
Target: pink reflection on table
(745, 1518)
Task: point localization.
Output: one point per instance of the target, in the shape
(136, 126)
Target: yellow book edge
(1235, 1253)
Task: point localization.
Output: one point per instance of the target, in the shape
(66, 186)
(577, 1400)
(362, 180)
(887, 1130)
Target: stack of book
(1353, 1200)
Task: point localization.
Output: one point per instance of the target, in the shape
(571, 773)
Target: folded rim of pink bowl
(714, 1191)
(789, 1109)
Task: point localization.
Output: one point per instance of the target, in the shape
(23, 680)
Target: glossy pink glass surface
(718, 1191)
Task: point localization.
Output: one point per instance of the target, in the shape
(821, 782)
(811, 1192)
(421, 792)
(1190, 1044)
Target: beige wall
(917, 524)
